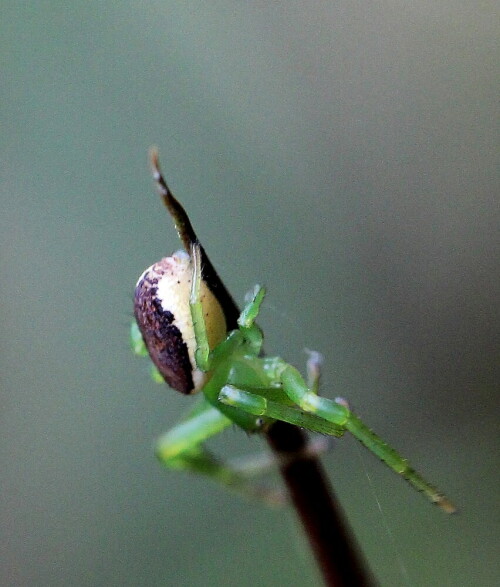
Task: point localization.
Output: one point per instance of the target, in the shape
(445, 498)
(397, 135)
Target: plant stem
(331, 540)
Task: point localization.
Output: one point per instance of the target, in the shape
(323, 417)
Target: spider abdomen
(162, 312)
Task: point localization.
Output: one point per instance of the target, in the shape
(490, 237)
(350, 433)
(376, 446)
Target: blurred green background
(344, 154)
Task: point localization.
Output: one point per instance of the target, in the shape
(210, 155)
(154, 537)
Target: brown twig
(326, 527)
(332, 542)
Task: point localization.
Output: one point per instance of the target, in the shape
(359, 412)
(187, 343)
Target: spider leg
(337, 413)
(202, 352)
(246, 322)
(258, 405)
(313, 367)
(182, 448)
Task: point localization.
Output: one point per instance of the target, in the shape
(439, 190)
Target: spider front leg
(202, 351)
(337, 413)
(329, 417)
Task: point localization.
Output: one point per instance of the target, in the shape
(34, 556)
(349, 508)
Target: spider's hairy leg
(259, 405)
(202, 352)
(136, 341)
(296, 389)
(313, 367)
(337, 413)
(396, 462)
(246, 321)
(201, 423)
(182, 449)
(251, 310)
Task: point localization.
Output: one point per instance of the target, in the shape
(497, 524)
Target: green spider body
(243, 387)
(183, 327)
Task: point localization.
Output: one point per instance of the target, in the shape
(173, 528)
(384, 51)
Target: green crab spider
(181, 324)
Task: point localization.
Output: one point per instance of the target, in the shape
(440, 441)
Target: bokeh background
(343, 153)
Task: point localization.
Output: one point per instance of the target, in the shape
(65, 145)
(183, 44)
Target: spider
(196, 345)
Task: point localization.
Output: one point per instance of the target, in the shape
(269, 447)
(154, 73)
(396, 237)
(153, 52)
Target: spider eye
(163, 315)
